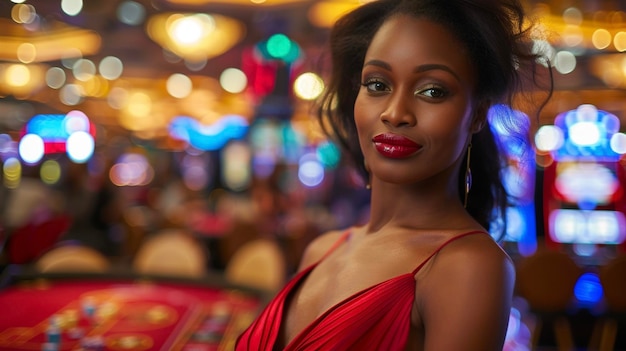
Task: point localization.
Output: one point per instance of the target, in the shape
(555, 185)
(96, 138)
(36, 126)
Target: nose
(399, 112)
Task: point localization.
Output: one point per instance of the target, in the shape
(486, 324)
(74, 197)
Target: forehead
(416, 41)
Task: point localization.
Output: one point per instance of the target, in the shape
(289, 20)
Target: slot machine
(584, 206)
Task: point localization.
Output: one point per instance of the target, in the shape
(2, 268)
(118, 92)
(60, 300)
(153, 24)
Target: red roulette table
(123, 312)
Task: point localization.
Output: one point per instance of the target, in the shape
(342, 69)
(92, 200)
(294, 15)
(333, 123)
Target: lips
(395, 146)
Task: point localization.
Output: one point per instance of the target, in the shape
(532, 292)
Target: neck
(427, 205)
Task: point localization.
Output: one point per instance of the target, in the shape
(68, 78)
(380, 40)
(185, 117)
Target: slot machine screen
(588, 196)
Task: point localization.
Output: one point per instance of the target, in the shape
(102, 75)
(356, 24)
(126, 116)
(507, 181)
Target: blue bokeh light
(588, 289)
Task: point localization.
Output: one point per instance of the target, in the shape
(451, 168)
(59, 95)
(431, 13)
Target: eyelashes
(433, 91)
(376, 86)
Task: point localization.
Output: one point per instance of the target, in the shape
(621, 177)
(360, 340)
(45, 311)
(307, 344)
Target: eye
(375, 86)
(433, 92)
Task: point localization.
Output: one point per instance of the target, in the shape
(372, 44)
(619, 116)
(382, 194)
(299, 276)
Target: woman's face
(414, 109)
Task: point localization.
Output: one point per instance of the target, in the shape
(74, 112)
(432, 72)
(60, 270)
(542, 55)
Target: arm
(465, 299)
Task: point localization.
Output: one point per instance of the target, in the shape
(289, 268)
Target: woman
(411, 85)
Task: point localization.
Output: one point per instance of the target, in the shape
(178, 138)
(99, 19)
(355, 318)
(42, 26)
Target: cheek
(449, 134)
(360, 111)
(364, 118)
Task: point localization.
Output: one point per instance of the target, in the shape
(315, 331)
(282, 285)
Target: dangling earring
(468, 175)
(368, 186)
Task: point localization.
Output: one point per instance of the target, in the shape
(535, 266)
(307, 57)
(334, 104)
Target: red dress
(376, 318)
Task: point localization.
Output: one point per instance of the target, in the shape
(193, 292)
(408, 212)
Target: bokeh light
(233, 80)
(191, 29)
(17, 75)
(55, 77)
(72, 7)
(548, 138)
(71, 94)
(80, 146)
(31, 148)
(84, 69)
(565, 62)
(50, 172)
(310, 170)
(26, 53)
(584, 133)
(12, 172)
(588, 289)
(618, 143)
(179, 85)
(236, 170)
(619, 40)
(308, 86)
(111, 67)
(131, 169)
(131, 13)
(195, 172)
(328, 154)
(601, 38)
(278, 45)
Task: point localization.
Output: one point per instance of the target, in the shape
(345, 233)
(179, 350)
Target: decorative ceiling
(151, 39)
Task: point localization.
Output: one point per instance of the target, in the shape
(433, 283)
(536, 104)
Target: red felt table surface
(128, 315)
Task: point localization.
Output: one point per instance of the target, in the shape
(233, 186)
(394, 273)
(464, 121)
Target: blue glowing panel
(55, 129)
(208, 137)
(587, 132)
(518, 176)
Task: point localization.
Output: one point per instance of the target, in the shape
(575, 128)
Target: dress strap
(337, 243)
(443, 245)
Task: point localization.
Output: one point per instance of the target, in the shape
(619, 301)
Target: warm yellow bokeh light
(17, 75)
(50, 172)
(12, 172)
(620, 41)
(179, 85)
(601, 38)
(308, 86)
(26, 52)
(139, 104)
(233, 80)
(189, 30)
(195, 37)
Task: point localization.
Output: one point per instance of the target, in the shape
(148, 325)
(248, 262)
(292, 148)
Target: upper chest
(349, 271)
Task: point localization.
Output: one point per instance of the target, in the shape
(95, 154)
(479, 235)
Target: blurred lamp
(195, 36)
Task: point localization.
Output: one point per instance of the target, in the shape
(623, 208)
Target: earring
(368, 186)
(468, 175)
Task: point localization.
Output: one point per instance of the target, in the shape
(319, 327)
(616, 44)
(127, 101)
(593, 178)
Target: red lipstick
(394, 145)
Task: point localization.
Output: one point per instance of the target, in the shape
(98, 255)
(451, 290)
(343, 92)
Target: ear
(479, 119)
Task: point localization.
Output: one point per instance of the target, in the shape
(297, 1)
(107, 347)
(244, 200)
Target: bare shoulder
(476, 251)
(477, 258)
(475, 275)
(319, 247)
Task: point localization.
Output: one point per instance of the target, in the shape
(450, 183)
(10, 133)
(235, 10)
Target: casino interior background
(124, 119)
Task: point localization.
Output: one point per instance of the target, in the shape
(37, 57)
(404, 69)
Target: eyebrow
(418, 69)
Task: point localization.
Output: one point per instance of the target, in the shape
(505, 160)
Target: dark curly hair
(498, 41)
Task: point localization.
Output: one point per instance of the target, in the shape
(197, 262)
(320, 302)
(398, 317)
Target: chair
(259, 263)
(72, 258)
(613, 280)
(27, 243)
(171, 252)
(546, 280)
